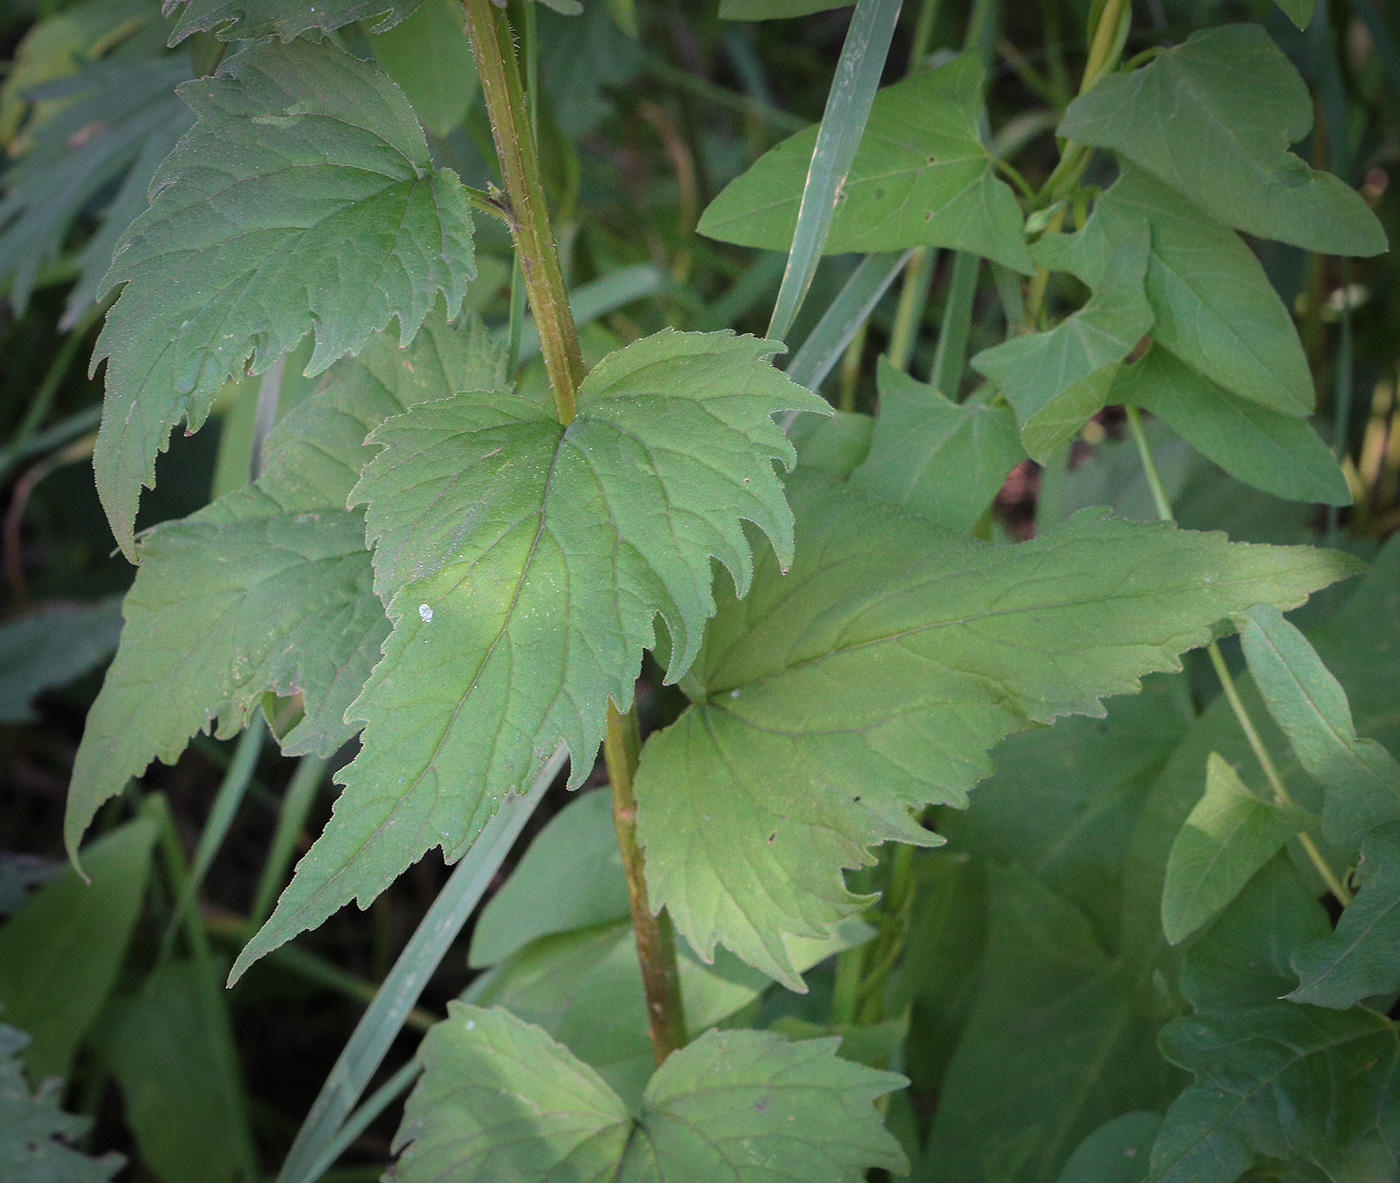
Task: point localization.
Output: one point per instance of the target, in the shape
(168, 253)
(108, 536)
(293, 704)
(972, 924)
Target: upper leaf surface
(920, 177)
(303, 200)
(254, 20)
(1214, 117)
(499, 1099)
(877, 674)
(523, 565)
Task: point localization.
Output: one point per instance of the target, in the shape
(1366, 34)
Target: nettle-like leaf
(524, 564)
(302, 201)
(1293, 1084)
(256, 20)
(921, 177)
(499, 1099)
(1213, 118)
(874, 678)
(269, 588)
(1056, 379)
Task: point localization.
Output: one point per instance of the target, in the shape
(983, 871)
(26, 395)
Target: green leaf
(1300, 12)
(771, 10)
(60, 954)
(524, 565)
(582, 60)
(50, 648)
(499, 1099)
(921, 177)
(430, 57)
(162, 1046)
(1277, 453)
(1055, 380)
(297, 151)
(35, 1132)
(1116, 1152)
(1214, 307)
(1281, 1082)
(876, 676)
(1310, 706)
(943, 460)
(269, 588)
(1213, 117)
(1362, 958)
(571, 877)
(1228, 836)
(1065, 1014)
(255, 20)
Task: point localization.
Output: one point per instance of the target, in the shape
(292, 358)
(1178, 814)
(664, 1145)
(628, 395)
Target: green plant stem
(656, 946)
(504, 95)
(291, 818)
(956, 327)
(1227, 681)
(356, 1124)
(1342, 392)
(913, 299)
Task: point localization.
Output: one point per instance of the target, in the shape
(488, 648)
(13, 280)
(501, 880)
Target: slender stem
(1227, 682)
(291, 817)
(1342, 393)
(504, 95)
(953, 333)
(913, 298)
(656, 949)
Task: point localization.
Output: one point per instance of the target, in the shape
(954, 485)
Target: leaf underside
(254, 20)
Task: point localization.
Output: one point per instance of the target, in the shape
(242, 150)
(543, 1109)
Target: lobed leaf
(921, 177)
(524, 564)
(875, 677)
(1213, 118)
(302, 201)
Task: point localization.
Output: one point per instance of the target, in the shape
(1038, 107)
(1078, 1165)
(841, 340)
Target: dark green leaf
(876, 676)
(298, 150)
(501, 1100)
(921, 177)
(254, 20)
(943, 460)
(1213, 117)
(524, 565)
(581, 59)
(1300, 12)
(1227, 837)
(771, 10)
(430, 57)
(50, 648)
(61, 952)
(1116, 1152)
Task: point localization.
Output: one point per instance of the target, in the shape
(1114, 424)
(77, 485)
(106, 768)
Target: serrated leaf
(1277, 453)
(1310, 706)
(254, 20)
(921, 177)
(35, 1133)
(1362, 958)
(1228, 836)
(876, 676)
(298, 152)
(1213, 118)
(61, 952)
(50, 648)
(1052, 1002)
(269, 588)
(1281, 1082)
(499, 1100)
(1214, 307)
(1116, 1152)
(1055, 380)
(942, 459)
(524, 565)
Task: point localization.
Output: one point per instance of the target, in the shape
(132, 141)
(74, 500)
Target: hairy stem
(656, 948)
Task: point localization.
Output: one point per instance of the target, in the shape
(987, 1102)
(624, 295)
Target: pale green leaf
(1116, 1152)
(162, 1044)
(524, 565)
(1227, 837)
(254, 20)
(1213, 117)
(297, 152)
(35, 1133)
(1055, 380)
(1057, 1007)
(499, 1099)
(771, 10)
(943, 460)
(1362, 958)
(878, 673)
(1289, 1083)
(268, 588)
(430, 57)
(50, 648)
(1300, 12)
(1277, 453)
(1214, 307)
(1311, 708)
(921, 177)
(61, 952)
